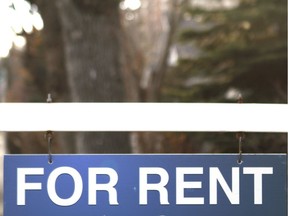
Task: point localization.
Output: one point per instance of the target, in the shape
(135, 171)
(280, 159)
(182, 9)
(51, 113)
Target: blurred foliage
(245, 49)
(97, 7)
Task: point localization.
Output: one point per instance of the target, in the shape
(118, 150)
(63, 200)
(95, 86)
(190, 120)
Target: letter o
(78, 186)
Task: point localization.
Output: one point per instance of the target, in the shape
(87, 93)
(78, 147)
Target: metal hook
(240, 136)
(49, 135)
(240, 140)
(49, 98)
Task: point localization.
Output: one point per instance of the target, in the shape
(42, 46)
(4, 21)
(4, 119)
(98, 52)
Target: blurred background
(143, 51)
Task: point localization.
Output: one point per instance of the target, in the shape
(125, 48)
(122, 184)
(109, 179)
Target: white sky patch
(37, 22)
(130, 4)
(4, 52)
(6, 40)
(16, 17)
(19, 42)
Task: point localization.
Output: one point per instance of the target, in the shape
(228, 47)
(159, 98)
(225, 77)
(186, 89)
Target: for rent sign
(170, 185)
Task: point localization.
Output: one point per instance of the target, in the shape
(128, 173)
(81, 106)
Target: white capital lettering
(51, 186)
(22, 185)
(258, 172)
(233, 194)
(144, 186)
(109, 187)
(181, 184)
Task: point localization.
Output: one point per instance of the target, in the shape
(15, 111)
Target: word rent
(216, 181)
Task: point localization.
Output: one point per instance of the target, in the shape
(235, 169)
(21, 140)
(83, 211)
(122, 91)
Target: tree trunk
(56, 74)
(91, 34)
(155, 25)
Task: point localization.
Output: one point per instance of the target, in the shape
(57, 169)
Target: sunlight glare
(130, 4)
(37, 21)
(17, 16)
(4, 52)
(19, 42)
(27, 25)
(6, 39)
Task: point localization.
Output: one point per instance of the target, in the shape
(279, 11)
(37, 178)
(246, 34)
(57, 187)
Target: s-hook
(240, 137)
(49, 135)
(49, 138)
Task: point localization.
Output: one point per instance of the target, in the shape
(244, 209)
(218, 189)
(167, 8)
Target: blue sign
(145, 185)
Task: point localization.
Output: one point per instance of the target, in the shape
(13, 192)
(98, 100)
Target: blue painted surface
(127, 167)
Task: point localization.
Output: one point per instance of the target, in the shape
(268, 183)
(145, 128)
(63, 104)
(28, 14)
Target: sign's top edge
(177, 154)
(133, 104)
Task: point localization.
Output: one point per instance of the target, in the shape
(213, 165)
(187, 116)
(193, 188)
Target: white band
(143, 117)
